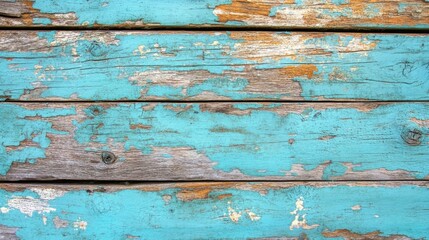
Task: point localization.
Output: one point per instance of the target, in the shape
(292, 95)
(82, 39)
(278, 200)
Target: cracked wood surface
(166, 65)
(344, 14)
(362, 210)
(214, 141)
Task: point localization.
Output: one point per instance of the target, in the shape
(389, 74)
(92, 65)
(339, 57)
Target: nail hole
(108, 157)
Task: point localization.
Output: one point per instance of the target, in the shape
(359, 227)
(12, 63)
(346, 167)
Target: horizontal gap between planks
(218, 28)
(215, 101)
(139, 182)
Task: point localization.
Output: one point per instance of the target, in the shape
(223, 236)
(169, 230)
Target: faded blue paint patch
(108, 214)
(173, 13)
(344, 12)
(259, 143)
(17, 126)
(42, 21)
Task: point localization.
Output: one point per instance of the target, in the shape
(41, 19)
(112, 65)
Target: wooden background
(214, 119)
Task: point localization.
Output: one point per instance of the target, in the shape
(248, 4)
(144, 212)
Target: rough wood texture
(214, 141)
(295, 211)
(212, 66)
(409, 14)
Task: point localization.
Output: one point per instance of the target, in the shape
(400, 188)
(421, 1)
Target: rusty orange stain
(193, 194)
(240, 10)
(223, 196)
(389, 14)
(140, 126)
(303, 70)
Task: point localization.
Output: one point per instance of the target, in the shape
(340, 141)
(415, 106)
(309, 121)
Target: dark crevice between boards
(197, 28)
(214, 101)
(137, 182)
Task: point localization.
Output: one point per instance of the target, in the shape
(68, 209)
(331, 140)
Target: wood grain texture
(96, 65)
(409, 14)
(214, 141)
(361, 210)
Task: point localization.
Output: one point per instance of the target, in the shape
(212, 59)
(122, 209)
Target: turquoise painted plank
(214, 141)
(217, 211)
(59, 65)
(410, 14)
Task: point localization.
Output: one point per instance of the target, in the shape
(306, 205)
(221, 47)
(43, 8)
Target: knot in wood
(108, 157)
(412, 137)
(97, 49)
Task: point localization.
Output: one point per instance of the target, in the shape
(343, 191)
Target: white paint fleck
(37, 67)
(376, 216)
(79, 224)
(4, 210)
(48, 193)
(44, 219)
(28, 205)
(300, 221)
(296, 223)
(253, 216)
(233, 214)
(299, 206)
(166, 198)
(141, 50)
(356, 208)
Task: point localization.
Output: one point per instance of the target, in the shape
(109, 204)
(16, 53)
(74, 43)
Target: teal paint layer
(93, 66)
(162, 215)
(113, 12)
(19, 124)
(263, 143)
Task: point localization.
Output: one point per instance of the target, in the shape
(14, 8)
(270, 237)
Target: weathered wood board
(360, 210)
(98, 65)
(383, 14)
(214, 141)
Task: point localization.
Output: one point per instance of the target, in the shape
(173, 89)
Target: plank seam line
(219, 28)
(135, 182)
(218, 101)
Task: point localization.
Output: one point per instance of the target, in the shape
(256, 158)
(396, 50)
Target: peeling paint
(300, 220)
(80, 224)
(59, 223)
(218, 65)
(253, 216)
(356, 208)
(233, 214)
(35, 131)
(28, 205)
(78, 213)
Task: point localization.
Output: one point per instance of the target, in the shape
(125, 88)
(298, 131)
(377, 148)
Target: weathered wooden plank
(222, 141)
(411, 14)
(212, 65)
(217, 211)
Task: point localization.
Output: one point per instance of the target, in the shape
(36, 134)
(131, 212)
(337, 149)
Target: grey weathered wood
(8, 233)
